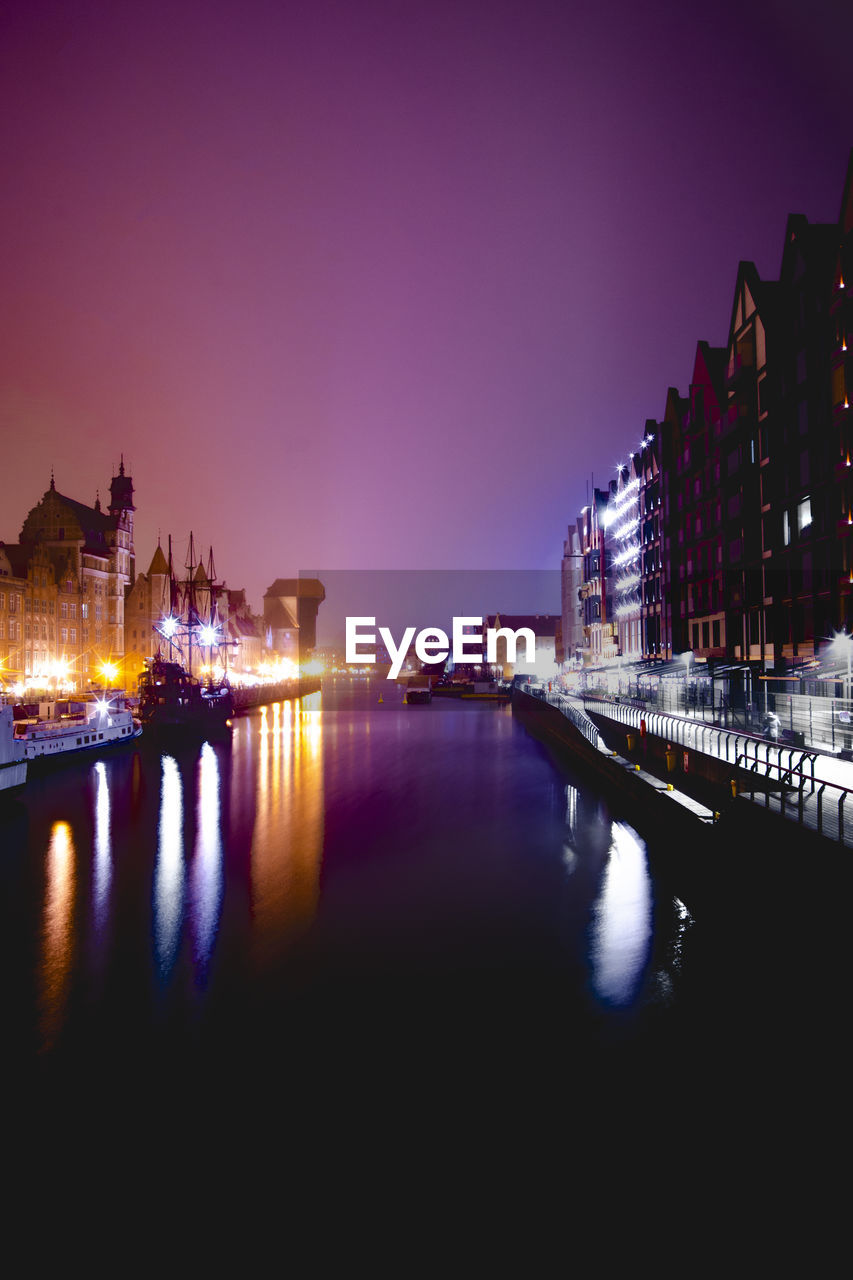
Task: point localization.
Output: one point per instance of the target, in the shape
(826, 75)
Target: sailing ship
(171, 694)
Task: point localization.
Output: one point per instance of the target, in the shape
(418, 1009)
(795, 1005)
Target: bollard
(734, 787)
(670, 758)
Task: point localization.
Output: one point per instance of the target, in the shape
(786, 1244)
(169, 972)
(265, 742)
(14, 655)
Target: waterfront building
(148, 602)
(622, 519)
(545, 628)
(801, 502)
(92, 555)
(600, 639)
(157, 594)
(697, 586)
(655, 613)
(245, 634)
(291, 606)
(571, 582)
(841, 390)
(28, 619)
(744, 500)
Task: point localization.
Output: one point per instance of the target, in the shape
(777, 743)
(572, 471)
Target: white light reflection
(622, 928)
(684, 920)
(169, 870)
(206, 875)
(103, 854)
(570, 857)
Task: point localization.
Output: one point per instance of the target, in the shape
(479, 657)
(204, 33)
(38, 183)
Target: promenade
(808, 785)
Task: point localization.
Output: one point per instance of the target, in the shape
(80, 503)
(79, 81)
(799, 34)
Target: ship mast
(172, 596)
(189, 597)
(213, 587)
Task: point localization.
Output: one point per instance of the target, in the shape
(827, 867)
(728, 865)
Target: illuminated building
(28, 617)
(571, 580)
(623, 537)
(147, 603)
(92, 556)
(290, 616)
(599, 630)
(246, 651)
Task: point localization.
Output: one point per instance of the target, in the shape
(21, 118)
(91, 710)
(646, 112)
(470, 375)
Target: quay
(261, 695)
(719, 779)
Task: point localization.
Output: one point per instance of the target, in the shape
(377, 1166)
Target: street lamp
(843, 643)
(686, 657)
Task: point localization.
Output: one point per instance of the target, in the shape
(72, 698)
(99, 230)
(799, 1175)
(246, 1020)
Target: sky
(383, 285)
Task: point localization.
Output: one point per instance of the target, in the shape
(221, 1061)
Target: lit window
(804, 514)
(786, 529)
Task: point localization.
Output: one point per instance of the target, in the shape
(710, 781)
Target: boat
(13, 765)
(419, 695)
(86, 727)
(171, 696)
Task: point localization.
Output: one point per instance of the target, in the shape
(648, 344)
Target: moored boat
(13, 765)
(416, 696)
(94, 726)
(171, 696)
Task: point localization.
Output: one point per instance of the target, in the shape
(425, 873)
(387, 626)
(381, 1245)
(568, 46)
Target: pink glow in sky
(375, 284)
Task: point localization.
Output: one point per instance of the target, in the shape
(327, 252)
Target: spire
(121, 492)
(97, 499)
(52, 482)
(158, 563)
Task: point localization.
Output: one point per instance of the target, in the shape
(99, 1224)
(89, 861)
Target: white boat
(13, 766)
(95, 726)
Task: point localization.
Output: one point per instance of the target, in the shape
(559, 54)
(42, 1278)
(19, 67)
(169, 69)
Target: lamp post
(843, 640)
(686, 656)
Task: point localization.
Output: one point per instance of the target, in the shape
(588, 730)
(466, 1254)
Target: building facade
(728, 540)
(93, 559)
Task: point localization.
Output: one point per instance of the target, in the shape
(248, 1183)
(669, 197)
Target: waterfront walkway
(807, 785)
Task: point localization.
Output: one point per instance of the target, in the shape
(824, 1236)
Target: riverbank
(698, 848)
(262, 695)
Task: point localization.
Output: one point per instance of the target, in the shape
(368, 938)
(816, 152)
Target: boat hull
(13, 778)
(44, 753)
(13, 766)
(173, 701)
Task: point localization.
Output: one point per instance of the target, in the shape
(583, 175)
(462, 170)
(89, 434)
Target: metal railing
(571, 711)
(791, 768)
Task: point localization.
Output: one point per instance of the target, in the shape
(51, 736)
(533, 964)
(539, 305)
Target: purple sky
(371, 285)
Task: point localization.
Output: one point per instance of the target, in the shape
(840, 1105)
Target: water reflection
(570, 856)
(622, 923)
(57, 932)
(679, 924)
(103, 852)
(287, 840)
(169, 869)
(206, 874)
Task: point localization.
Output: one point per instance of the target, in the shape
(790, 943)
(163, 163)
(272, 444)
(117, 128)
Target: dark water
(358, 905)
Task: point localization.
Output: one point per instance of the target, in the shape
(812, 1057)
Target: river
(354, 889)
